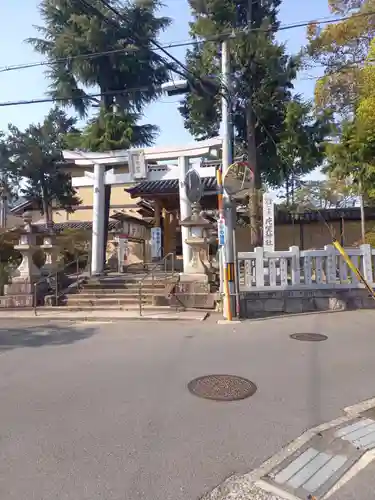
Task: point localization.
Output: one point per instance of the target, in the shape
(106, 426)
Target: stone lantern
(51, 252)
(26, 273)
(198, 240)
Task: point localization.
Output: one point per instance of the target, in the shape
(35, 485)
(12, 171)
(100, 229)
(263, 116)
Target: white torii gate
(99, 178)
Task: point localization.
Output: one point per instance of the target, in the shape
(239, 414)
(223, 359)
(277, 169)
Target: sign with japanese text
(221, 231)
(268, 223)
(137, 164)
(156, 242)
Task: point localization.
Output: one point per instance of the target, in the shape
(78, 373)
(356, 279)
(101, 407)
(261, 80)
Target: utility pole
(251, 149)
(227, 159)
(3, 202)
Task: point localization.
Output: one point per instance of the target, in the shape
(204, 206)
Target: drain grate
(222, 387)
(309, 337)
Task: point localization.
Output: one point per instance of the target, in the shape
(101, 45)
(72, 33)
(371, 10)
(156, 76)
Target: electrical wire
(65, 98)
(178, 44)
(156, 44)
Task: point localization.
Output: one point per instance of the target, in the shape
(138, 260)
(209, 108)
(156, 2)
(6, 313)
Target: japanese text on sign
(221, 231)
(268, 223)
(155, 242)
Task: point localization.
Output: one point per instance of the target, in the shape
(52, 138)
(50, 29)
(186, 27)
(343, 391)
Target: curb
(235, 483)
(105, 318)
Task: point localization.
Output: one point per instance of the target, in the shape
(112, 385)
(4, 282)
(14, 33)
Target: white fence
(306, 269)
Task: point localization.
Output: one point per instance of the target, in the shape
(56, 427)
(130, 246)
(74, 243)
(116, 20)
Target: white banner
(268, 223)
(156, 243)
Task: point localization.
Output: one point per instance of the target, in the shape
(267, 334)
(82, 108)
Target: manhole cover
(309, 337)
(222, 387)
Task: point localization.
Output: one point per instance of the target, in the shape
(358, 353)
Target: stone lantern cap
(196, 220)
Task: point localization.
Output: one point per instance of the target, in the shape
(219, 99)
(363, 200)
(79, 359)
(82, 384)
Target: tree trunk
(46, 208)
(256, 236)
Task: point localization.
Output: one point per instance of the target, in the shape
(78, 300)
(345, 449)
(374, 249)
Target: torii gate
(99, 178)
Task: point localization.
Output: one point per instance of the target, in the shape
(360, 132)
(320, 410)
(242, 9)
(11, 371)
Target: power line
(153, 42)
(42, 100)
(179, 44)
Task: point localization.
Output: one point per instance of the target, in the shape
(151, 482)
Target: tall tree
(323, 194)
(37, 162)
(261, 84)
(79, 31)
(302, 146)
(342, 48)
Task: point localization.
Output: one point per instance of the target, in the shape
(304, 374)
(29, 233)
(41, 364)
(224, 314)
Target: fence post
(259, 266)
(307, 268)
(330, 264)
(367, 262)
(296, 274)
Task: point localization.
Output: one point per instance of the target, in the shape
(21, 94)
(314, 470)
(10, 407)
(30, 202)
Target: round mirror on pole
(237, 179)
(194, 186)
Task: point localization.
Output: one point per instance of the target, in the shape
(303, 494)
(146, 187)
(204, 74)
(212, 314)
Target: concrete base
(193, 278)
(299, 301)
(13, 301)
(193, 294)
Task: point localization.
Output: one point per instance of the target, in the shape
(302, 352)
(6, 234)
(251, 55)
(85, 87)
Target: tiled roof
(167, 187)
(80, 225)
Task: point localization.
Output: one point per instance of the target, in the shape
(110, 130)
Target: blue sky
(16, 24)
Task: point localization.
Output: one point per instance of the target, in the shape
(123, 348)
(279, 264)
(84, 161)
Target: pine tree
(78, 33)
(262, 75)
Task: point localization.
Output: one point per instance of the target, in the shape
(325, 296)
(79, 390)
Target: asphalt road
(101, 411)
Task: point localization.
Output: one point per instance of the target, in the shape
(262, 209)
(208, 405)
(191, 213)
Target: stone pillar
(167, 232)
(51, 252)
(185, 210)
(97, 249)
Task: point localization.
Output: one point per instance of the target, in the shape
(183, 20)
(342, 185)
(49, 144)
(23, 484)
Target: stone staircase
(122, 292)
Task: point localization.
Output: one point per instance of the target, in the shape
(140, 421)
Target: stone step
(100, 307)
(131, 281)
(117, 295)
(91, 301)
(124, 291)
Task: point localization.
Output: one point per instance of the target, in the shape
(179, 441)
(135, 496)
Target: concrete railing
(306, 269)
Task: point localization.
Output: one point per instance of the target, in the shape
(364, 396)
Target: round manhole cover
(222, 387)
(309, 337)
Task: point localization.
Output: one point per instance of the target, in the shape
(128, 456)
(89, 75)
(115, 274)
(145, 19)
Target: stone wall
(299, 301)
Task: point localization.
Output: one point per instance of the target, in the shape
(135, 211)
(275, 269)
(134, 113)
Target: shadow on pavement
(42, 335)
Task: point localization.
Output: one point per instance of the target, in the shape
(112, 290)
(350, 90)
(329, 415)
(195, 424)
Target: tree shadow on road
(42, 335)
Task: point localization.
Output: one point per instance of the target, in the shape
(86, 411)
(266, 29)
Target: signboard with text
(137, 164)
(221, 231)
(268, 223)
(156, 242)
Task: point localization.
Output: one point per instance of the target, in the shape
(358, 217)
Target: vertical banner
(156, 243)
(268, 223)
(221, 231)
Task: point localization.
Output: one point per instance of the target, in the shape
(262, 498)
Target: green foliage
(74, 242)
(71, 30)
(302, 146)
(262, 73)
(8, 239)
(109, 131)
(37, 161)
(324, 194)
(342, 48)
